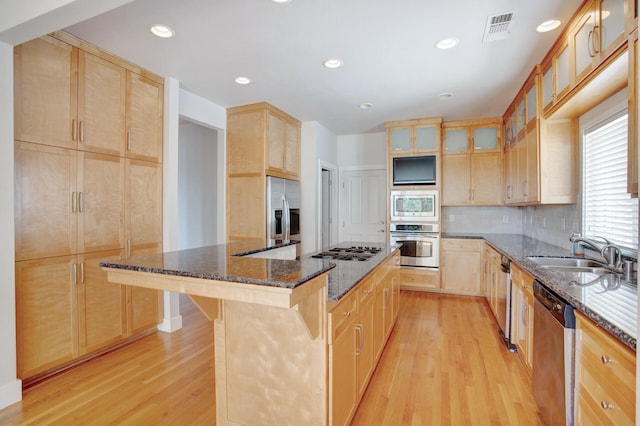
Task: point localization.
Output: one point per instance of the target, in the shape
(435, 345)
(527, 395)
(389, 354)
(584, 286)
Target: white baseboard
(10, 393)
(169, 325)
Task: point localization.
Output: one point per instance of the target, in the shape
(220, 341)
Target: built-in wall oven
(420, 243)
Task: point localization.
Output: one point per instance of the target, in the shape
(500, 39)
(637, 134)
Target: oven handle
(417, 235)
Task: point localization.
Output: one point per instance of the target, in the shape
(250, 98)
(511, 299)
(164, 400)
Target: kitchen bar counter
(271, 319)
(608, 300)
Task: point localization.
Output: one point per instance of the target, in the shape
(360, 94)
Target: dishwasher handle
(555, 305)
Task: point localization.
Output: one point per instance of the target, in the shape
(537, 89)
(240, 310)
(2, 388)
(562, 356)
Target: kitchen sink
(570, 264)
(565, 262)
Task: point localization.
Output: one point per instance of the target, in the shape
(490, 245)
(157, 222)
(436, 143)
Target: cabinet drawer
(605, 356)
(419, 278)
(461, 244)
(366, 288)
(343, 315)
(492, 255)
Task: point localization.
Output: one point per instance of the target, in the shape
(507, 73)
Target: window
(607, 209)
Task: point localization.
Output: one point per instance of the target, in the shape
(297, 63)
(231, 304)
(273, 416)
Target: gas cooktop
(355, 253)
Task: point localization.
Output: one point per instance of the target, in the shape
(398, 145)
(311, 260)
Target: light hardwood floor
(443, 364)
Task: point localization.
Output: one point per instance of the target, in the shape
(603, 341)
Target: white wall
(318, 144)
(359, 151)
(197, 186)
(10, 387)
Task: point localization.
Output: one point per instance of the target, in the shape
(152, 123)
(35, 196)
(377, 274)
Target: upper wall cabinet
(81, 103)
(87, 101)
(472, 162)
(413, 136)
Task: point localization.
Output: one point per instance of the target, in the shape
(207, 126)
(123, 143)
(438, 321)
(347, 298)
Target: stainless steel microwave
(415, 206)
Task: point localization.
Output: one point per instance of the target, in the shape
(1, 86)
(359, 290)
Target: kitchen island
(271, 322)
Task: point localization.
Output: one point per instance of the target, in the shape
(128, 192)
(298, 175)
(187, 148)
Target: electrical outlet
(564, 224)
(505, 219)
(452, 218)
(544, 222)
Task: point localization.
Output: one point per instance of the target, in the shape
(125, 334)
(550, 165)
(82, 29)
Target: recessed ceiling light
(447, 43)
(365, 105)
(243, 80)
(162, 31)
(445, 95)
(333, 63)
(281, 1)
(549, 25)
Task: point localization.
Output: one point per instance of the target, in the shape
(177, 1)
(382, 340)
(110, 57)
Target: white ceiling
(388, 49)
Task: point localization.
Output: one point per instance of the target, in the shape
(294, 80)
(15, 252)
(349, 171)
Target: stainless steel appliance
(553, 356)
(503, 296)
(414, 206)
(283, 209)
(420, 243)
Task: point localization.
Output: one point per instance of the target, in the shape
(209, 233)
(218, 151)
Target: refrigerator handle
(286, 219)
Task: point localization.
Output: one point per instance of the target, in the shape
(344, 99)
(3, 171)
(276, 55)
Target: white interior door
(364, 206)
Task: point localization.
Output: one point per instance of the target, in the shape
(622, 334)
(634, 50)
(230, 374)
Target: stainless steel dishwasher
(554, 324)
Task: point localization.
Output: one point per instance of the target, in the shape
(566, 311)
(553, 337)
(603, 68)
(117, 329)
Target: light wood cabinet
(492, 270)
(541, 162)
(605, 378)
(261, 141)
(413, 137)
(632, 90)
(419, 279)
(359, 326)
(80, 201)
(522, 314)
(144, 118)
(80, 104)
(472, 163)
(454, 253)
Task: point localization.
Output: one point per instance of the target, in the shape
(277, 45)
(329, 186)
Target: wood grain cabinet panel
(45, 201)
(454, 253)
(605, 382)
(46, 313)
(143, 205)
(144, 118)
(102, 305)
(101, 105)
(45, 96)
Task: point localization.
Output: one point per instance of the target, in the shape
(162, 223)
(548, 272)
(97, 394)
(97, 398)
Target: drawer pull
(605, 405)
(346, 314)
(606, 360)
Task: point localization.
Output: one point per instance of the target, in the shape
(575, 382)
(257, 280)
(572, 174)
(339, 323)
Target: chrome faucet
(609, 251)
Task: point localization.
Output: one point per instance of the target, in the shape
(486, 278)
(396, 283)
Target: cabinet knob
(605, 405)
(346, 314)
(606, 360)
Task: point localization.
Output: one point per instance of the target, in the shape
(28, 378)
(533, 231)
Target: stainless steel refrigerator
(283, 209)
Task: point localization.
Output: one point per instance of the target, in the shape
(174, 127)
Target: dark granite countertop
(607, 299)
(349, 273)
(226, 262)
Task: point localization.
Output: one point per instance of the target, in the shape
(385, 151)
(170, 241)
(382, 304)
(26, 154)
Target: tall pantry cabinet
(88, 187)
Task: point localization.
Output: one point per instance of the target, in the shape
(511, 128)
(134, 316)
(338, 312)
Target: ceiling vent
(498, 27)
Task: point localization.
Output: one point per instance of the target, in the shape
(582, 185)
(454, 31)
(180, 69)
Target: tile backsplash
(550, 223)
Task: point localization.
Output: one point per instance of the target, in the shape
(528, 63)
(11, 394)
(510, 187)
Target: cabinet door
(611, 31)
(292, 151)
(144, 309)
(144, 118)
(486, 176)
(400, 139)
(531, 97)
(456, 170)
(343, 387)
(520, 117)
(562, 72)
(456, 140)
(45, 201)
(143, 205)
(102, 89)
(547, 85)
(276, 143)
(100, 202)
(426, 139)
(585, 42)
(521, 158)
(461, 271)
(378, 323)
(46, 314)
(364, 343)
(102, 313)
(45, 92)
(511, 175)
(531, 185)
(485, 139)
